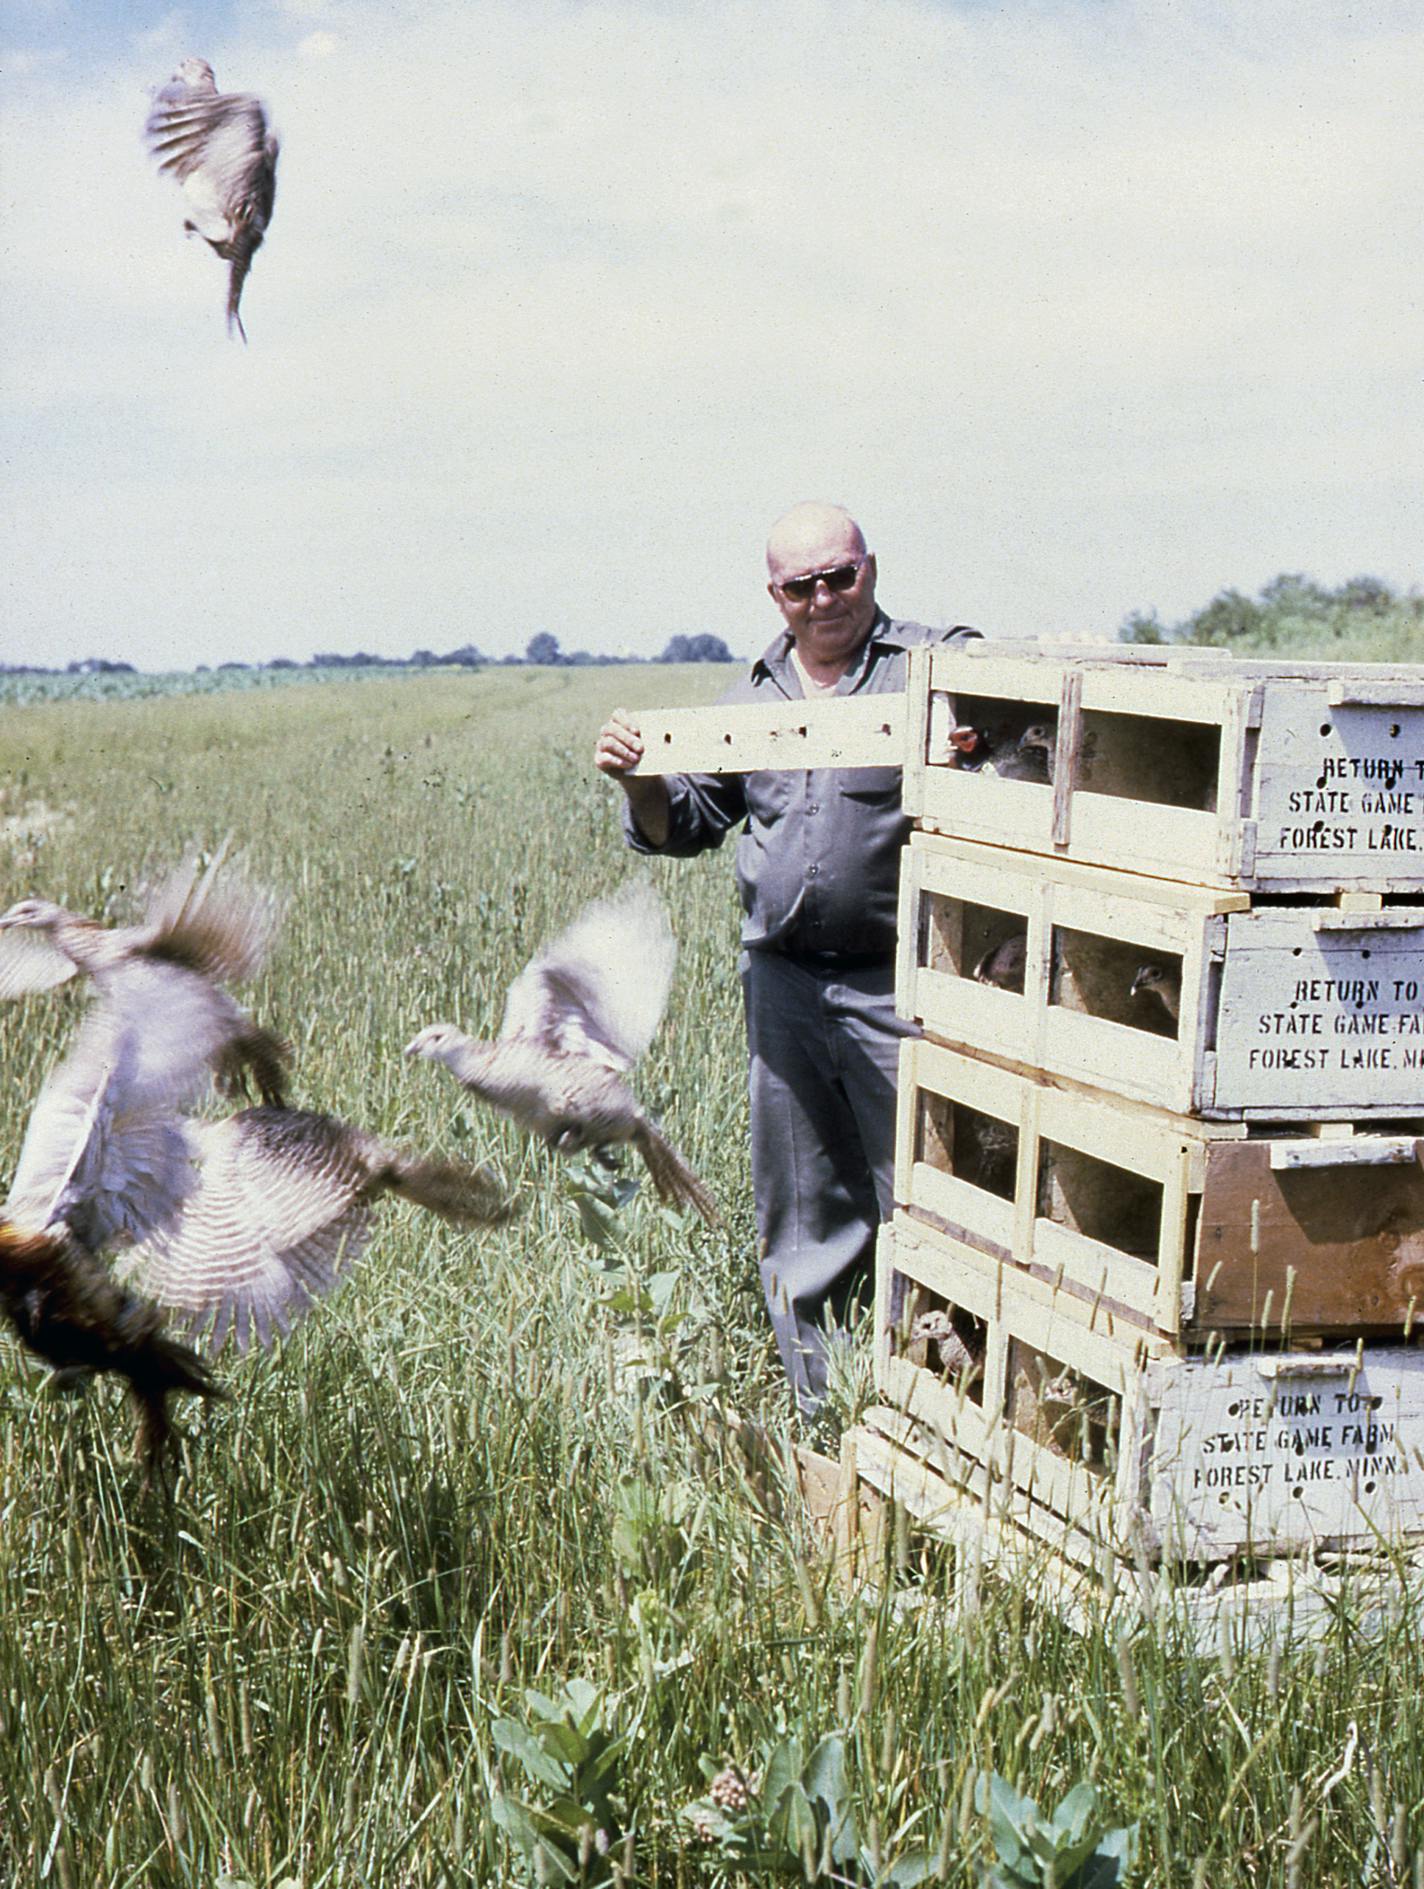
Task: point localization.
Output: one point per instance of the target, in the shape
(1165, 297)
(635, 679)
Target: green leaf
(509, 1735)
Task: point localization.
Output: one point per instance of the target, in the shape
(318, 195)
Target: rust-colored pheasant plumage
(579, 1015)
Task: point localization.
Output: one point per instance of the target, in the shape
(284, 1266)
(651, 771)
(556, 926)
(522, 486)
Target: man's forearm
(649, 805)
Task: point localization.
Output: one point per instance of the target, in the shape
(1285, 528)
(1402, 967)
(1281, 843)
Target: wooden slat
(742, 738)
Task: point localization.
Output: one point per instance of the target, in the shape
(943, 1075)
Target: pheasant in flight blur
(280, 1208)
(200, 930)
(221, 149)
(105, 1160)
(580, 1014)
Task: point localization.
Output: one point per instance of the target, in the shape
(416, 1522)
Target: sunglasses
(841, 578)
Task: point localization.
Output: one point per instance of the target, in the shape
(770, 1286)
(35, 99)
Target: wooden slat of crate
(1139, 1143)
(1137, 919)
(1323, 1450)
(1318, 779)
(1285, 1012)
(1216, 1455)
(1332, 1246)
(1189, 1225)
(1291, 1597)
(848, 731)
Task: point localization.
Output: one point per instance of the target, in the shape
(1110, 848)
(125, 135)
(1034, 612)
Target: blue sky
(1081, 309)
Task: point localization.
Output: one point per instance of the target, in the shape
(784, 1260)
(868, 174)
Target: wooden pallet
(1283, 1012)
(1193, 1228)
(1084, 1435)
(1241, 776)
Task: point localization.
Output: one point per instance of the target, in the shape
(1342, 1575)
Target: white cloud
(1083, 310)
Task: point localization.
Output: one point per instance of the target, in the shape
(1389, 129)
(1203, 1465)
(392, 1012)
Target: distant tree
(98, 666)
(234, 665)
(423, 658)
(281, 662)
(703, 648)
(543, 648)
(1365, 593)
(467, 656)
(1142, 626)
(1228, 618)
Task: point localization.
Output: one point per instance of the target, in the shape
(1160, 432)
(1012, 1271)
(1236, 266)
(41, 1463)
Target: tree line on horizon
(1290, 611)
(542, 650)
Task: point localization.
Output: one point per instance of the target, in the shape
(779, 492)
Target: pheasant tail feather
(672, 1177)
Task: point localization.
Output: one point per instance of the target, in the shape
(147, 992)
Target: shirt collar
(774, 663)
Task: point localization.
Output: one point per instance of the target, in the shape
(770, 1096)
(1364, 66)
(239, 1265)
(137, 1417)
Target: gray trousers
(823, 1045)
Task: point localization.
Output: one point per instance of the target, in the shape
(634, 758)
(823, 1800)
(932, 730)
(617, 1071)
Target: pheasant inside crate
(1099, 1200)
(1117, 980)
(1016, 739)
(962, 939)
(939, 1337)
(982, 1150)
(1148, 757)
(1061, 1410)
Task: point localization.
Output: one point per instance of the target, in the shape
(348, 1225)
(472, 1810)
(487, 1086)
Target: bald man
(818, 864)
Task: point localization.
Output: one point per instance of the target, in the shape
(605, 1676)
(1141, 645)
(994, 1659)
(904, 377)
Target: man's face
(831, 617)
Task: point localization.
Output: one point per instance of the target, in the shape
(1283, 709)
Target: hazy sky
(1081, 308)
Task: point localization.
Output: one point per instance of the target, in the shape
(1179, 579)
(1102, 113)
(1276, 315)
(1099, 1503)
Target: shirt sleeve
(702, 808)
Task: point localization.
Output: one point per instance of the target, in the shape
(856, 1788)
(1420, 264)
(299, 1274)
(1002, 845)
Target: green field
(489, 1465)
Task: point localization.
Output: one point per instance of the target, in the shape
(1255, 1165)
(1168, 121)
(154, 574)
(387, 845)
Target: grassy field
(485, 1473)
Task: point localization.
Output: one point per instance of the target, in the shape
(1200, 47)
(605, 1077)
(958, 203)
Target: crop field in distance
(470, 1580)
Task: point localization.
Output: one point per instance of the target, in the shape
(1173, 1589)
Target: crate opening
(1103, 1202)
(979, 1149)
(1118, 980)
(961, 939)
(1062, 1411)
(1016, 738)
(1144, 757)
(941, 1338)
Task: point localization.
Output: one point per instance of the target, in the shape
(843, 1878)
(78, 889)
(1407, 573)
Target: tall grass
(488, 1465)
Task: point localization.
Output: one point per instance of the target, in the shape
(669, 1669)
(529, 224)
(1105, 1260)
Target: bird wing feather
(599, 989)
(225, 138)
(30, 962)
(97, 1155)
(217, 920)
(282, 1210)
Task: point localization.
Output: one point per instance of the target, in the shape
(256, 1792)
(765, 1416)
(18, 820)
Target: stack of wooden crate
(1155, 1279)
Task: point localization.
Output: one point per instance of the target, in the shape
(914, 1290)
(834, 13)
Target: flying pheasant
(221, 148)
(580, 1014)
(201, 930)
(281, 1207)
(104, 1162)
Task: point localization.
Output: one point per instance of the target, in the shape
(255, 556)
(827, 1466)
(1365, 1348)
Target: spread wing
(30, 962)
(221, 139)
(600, 988)
(281, 1211)
(216, 921)
(98, 1153)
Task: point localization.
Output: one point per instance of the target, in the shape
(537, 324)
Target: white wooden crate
(1193, 1228)
(1089, 1584)
(1194, 1457)
(1245, 776)
(1285, 1012)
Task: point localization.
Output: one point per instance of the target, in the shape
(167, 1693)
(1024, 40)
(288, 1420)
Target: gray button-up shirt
(818, 862)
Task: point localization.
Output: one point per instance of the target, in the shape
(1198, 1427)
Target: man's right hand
(619, 747)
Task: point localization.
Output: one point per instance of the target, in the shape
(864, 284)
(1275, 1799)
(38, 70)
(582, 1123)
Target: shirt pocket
(871, 786)
(769, 795)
